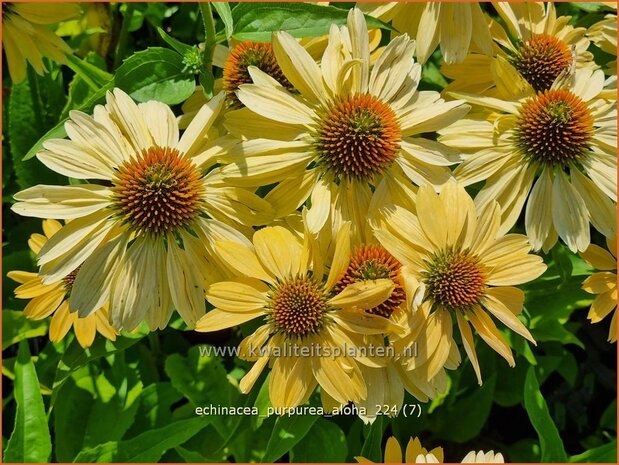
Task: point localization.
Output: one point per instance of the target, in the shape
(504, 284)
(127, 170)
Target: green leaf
(79, 90)
(602, 454)
(93, 75)
(76, 356)
(431, 75)
(256, 21)
(555, 330)
(475, 407)
(561, 257)
(148, 446)
(202, 379)
(155, 406)
(287, 432)
(224, 12)
(113, 412)
(510, 384)
(535, 405)
(177, 45)
(30, 440)
(263, 402)
(156, 74)
(25, 124)
(566, 297)
(70, 420)
(16, 327)
(334, 448)
(190, 456)
(372, 447)
(207, 81)
(58, 131)
(608, 420)
(589, 7)
(192, 58)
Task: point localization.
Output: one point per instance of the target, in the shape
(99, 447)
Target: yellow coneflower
(404, 370)
(566, 138)
(53, 298)
(530, 55)
(141, 238)
(350, 126)
(309, 328)
(455, 27)
(416, 453)
(604, 284)
(235, 63)
(236, 60)
(27, 38)
(460, 267)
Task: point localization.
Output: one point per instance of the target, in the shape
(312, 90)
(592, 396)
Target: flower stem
(124, 33)
(209, 33)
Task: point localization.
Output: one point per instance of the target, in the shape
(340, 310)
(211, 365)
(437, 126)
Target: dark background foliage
(135, 399)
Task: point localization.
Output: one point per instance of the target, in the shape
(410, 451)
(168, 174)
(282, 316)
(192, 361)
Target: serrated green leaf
(156, 74)
(535, 405)
(30, 440)
(257, 21)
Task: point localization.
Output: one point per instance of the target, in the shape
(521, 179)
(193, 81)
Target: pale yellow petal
(602, 306)
(216, 320)
(538, 214)
(61, 323)
(599, 258)
(506, 316)
(279, 251)
(363, 294)
(298, 66)
(469, 344)
(242, 259)
(291, 381)
(393, 451)
(238, 296)
(486, 328)
(569, 214)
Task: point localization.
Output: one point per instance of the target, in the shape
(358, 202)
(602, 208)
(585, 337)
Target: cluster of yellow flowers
(310, 194)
